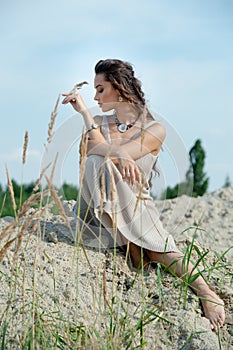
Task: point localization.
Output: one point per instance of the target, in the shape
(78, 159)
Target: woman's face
(106, 96)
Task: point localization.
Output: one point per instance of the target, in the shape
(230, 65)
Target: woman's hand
(126, 165)
(76, 102)
(93, 146)
(129, 170)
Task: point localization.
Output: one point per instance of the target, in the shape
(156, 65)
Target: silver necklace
(122, 127)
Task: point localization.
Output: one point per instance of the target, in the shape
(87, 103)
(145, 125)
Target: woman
(121, 156)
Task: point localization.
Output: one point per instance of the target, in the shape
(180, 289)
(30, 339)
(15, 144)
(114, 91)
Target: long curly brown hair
(121, 75)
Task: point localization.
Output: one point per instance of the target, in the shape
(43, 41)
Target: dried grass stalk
(5, 248)
(83, 154)
(52, 120)
(105, 285)
(25, 145)
(7, 230)
(34, 228)
(112, 196)
(77, 87)
(102, 190)
(144, 113)
(57, 201)
(139, 197)
(11, 190)
(53, 168)
(21, 234)
(32, 200)
(36, 187)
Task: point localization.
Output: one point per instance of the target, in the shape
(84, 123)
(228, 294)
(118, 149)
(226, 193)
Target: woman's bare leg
(135, 253)
(213, 306)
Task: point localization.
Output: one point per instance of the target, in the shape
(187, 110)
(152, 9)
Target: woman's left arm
(125, 155)
(151, 142)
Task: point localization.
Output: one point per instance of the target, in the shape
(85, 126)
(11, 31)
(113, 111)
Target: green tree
(197, 160)
(196, 182)
(69, 192)
(227, 182)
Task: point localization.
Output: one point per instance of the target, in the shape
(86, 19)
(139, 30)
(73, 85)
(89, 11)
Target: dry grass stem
(5, 248)
(139, 198)
(7, 230)
(102, 191)
(22, 232)
(77, 87)
(59, 205)
(112, 196)
(53, 168)
(83, 154)
(25, 145)
(11, 190)
(105, 285)
(144, 113)
(36, 187)
(32, 200)
(52, 120)
(57, 201)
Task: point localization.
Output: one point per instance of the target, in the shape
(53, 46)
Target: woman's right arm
(79, 106)
(98, 144)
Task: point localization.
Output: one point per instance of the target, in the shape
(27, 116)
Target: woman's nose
(96, 97)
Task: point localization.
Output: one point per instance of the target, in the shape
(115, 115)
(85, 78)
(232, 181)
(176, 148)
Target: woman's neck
(126, 113)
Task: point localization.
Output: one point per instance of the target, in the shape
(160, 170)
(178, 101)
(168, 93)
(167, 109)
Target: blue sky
(181, 51)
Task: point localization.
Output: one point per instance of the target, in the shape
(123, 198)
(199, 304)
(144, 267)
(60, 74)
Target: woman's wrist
(88, 119)
(122, 154)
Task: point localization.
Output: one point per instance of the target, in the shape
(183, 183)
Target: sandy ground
(81, 291)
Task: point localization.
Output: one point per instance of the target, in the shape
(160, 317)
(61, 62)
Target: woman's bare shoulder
(156, 128)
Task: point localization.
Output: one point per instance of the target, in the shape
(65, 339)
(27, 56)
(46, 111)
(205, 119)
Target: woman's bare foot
(213, 309)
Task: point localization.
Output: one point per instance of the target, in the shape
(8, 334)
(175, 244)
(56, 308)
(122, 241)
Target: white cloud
(15, 155)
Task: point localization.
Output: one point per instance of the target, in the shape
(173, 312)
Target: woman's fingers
(123, 172)
(129, 170)
(131, 173)
(69, 98)
(138, 175)
(75, 100)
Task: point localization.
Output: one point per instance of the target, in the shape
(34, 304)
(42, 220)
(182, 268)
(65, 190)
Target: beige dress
(118, 212)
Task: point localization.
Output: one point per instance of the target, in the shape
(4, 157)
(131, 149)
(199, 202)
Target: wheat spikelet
(25, 145)
(10, 228)
(5, 248)
(11, 189)
(77, 87)
(52, 120)
(32, 200)
(21, 233)
(36, 187)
